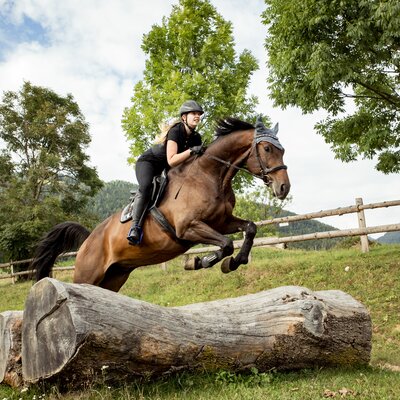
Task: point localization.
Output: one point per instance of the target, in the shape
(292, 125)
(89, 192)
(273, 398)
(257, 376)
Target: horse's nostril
(284, 189)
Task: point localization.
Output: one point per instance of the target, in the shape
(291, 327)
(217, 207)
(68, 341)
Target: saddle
(159, 185)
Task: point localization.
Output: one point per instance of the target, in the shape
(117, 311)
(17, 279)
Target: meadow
(372, 278)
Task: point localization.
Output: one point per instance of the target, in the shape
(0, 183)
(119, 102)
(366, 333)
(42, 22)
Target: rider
(177, 145)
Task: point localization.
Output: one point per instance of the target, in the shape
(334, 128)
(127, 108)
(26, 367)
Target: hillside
(304, 227)
(389, 238)
(112, 197)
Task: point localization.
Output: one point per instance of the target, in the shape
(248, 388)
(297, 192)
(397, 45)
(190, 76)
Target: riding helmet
(190, 106)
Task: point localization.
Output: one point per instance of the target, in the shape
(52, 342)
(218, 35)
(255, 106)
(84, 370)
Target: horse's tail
(66, 236)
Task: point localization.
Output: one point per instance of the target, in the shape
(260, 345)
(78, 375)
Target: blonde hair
(164, 128)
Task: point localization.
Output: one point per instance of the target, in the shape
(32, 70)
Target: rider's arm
(173, 157)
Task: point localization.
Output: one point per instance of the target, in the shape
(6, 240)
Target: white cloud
(92, 50)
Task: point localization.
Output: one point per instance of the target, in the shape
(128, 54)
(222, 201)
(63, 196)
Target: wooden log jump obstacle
(10, 348)
(76, 334)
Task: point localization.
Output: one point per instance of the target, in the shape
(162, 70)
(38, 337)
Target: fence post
(362, 224)
(163, 266)
(12, 272)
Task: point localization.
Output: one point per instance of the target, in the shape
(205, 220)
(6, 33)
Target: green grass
(372, 278)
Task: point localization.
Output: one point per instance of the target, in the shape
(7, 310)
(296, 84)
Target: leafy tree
(259, 205)
(191, 55)
(44, 177)
(324, 52)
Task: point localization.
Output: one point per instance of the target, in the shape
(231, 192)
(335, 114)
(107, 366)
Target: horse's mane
(229, 125)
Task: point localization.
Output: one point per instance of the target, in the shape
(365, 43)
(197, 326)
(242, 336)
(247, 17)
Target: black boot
(135, 234)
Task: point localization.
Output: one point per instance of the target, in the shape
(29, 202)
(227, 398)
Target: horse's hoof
(192, 264)
(225, 266)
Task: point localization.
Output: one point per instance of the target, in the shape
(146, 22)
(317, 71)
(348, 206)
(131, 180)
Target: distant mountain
(389, 237)
(304, 227)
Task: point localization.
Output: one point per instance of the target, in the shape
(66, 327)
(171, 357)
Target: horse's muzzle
(282, 191)
(280, 188)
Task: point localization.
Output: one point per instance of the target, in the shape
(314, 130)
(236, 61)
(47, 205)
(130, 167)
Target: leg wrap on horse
(211, 259)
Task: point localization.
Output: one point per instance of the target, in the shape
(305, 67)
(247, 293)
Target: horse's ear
(275, 129)
(259, 123)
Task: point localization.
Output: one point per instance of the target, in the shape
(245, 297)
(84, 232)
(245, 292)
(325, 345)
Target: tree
(112, 197)
(191, 55)
(340, 55)
(44, 173)
(259, 205)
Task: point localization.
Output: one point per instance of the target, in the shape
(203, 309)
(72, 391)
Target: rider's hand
(198, 150)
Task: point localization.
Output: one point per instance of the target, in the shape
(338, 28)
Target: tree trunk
(79, 333)
(10, 348)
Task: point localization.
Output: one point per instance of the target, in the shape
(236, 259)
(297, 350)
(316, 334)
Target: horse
(198, 202)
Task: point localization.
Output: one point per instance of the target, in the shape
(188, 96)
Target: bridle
(264, 169)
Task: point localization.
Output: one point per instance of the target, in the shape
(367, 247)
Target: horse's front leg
(199, 232)
(250, 229)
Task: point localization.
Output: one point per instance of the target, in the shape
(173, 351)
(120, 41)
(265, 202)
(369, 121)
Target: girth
(167, 227)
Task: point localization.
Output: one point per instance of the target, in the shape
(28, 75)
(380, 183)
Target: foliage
(259, 205)
(112, 197)
(191, 55)
(45, 177)
(371, 278)
(324, 52)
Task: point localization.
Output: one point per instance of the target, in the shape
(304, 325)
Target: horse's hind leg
(250, 229)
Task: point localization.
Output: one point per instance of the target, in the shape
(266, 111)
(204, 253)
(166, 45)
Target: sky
(92, 49)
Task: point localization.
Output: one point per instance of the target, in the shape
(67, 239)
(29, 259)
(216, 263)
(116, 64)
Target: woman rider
(180, 142)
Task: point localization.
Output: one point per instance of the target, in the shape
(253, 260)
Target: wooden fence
(361, 231)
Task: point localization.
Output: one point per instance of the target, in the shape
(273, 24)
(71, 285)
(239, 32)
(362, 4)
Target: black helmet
(190, 106)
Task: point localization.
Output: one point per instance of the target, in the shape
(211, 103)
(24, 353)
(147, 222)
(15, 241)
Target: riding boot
(138, 213)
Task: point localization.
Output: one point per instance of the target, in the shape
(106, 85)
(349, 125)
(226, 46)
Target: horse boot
(135, 233)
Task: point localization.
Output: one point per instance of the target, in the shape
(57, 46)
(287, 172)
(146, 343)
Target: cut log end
(10, 348)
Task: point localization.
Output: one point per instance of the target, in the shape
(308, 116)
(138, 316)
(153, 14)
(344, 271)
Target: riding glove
(198, 150)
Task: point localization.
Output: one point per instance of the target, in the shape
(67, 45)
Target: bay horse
(198, 203)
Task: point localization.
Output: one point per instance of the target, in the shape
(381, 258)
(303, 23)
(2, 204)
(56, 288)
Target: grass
(372, 278)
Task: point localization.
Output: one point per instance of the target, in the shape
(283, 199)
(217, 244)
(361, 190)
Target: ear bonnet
(263, 134)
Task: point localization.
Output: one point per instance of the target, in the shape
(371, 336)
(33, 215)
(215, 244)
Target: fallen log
(10, 348)
(76, 334)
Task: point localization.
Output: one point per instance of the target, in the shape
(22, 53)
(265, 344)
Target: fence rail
(361, 231)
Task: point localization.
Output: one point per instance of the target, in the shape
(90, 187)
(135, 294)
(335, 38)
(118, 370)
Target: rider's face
(193, 118)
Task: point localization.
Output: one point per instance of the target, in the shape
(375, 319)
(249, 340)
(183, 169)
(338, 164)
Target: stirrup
(133, 239)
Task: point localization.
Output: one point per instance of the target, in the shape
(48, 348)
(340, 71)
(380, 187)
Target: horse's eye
(267, 148)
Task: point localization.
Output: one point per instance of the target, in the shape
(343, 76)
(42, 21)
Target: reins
(264, 170)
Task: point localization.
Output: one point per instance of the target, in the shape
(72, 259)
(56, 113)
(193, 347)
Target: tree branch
(385, 96)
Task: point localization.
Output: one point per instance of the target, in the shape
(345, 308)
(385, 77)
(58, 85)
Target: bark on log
(10, 348)
(75, 333)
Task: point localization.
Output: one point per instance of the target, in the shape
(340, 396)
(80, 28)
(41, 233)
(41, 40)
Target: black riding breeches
(145, 172)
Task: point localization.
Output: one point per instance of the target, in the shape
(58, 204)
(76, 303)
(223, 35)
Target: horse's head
(266, 160)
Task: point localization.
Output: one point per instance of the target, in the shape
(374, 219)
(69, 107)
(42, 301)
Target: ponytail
(165, 128)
